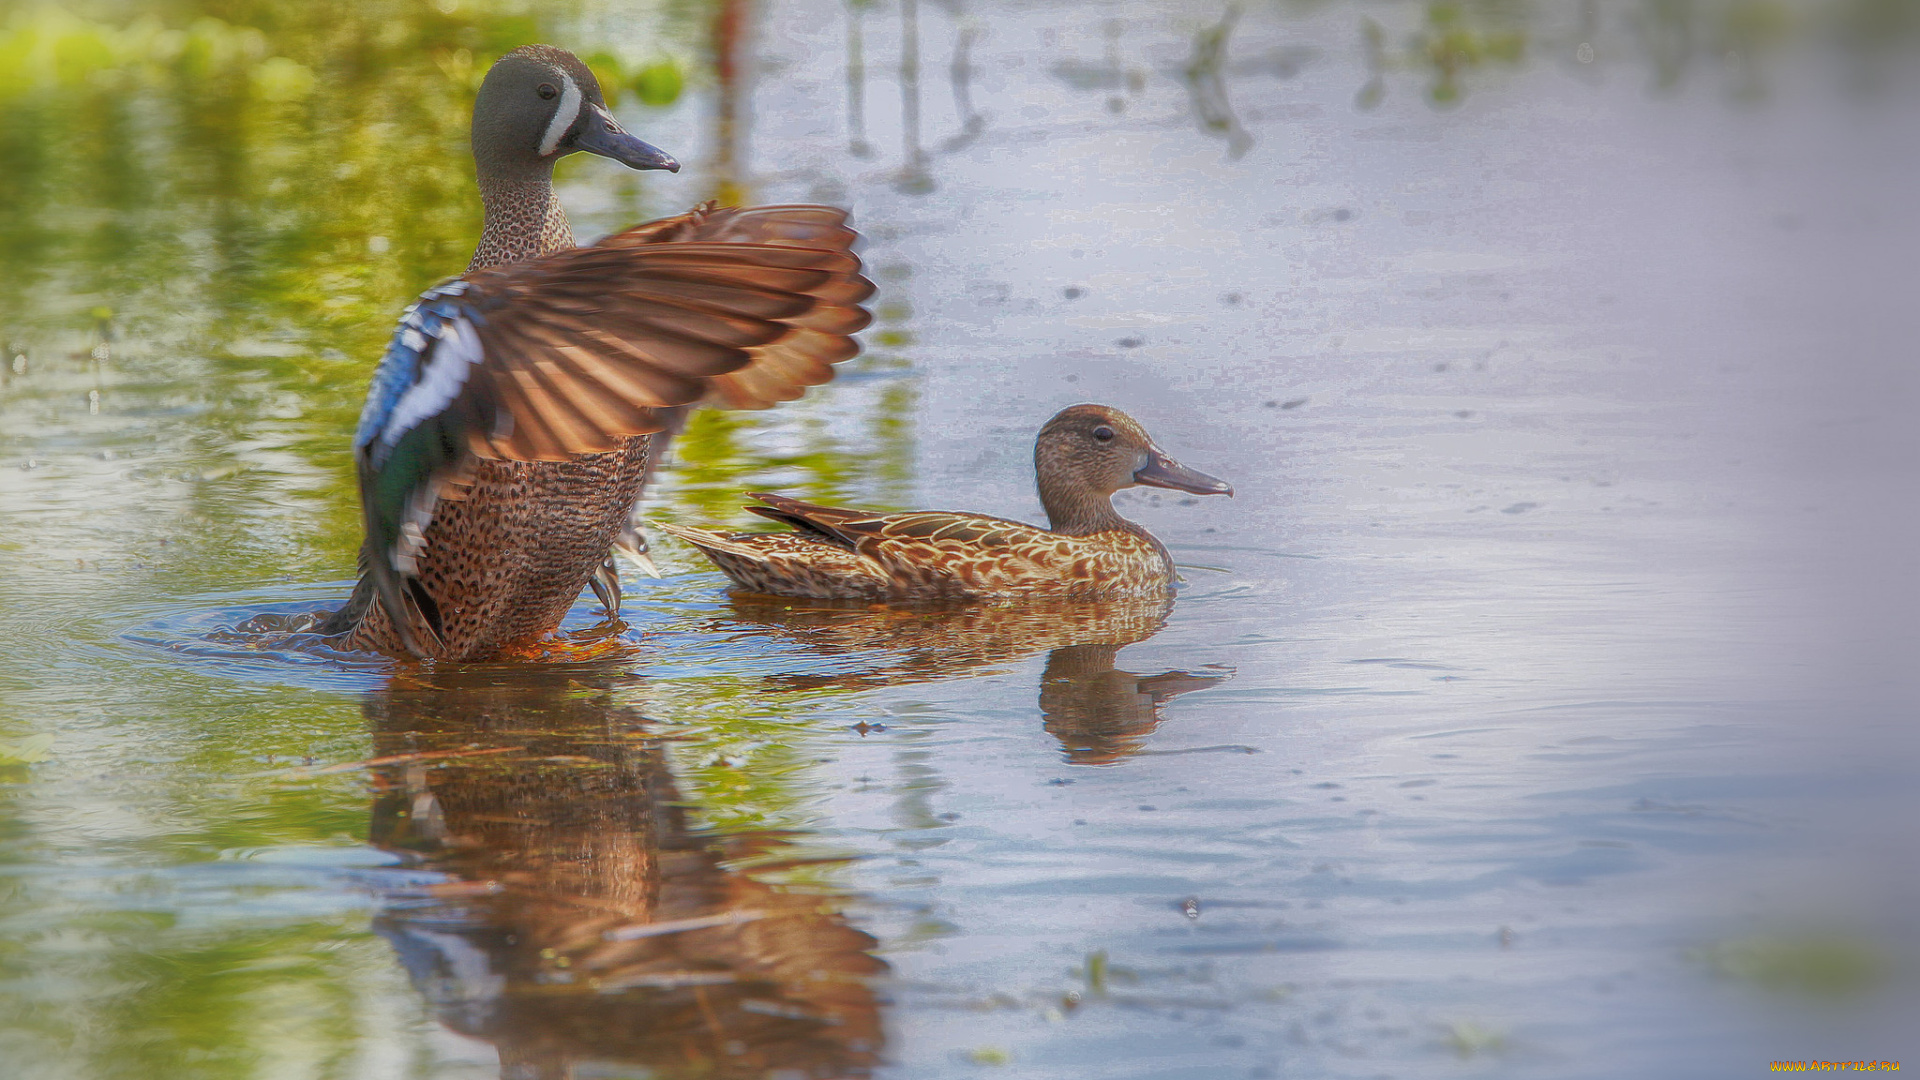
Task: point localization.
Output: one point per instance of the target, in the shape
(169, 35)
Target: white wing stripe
(447, 366)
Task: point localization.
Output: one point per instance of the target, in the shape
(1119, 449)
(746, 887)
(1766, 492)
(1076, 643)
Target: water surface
(1539, 706)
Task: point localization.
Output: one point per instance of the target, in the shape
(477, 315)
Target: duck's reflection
(583, 920)
(1098, 712)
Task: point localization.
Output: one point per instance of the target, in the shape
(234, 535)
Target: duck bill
(601, 134)
(1164, 472)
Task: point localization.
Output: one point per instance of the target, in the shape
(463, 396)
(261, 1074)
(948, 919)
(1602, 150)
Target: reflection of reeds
(1207, 85)
(913, 177)
(1452, 42)
(1374, 41)
(857, 144)
(732, 75)
(1666, 31)
(960, 77)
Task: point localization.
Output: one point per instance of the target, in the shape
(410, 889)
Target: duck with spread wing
(505, 439)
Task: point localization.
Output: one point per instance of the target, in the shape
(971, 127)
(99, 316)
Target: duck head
(1088, 452)
(538, 104)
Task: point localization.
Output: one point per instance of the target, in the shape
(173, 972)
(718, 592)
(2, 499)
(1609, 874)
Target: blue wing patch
(425, 366)
(413, 433)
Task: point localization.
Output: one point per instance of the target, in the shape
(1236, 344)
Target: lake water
(1541, 704)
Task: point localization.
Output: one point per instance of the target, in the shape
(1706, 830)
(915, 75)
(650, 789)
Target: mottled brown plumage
(483, 530)
(1083, 455)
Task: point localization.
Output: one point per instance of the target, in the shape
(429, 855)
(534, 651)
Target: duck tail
(707, 540)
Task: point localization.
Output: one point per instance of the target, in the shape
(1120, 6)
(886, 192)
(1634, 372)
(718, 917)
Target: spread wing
(576, 351)
(780, 370)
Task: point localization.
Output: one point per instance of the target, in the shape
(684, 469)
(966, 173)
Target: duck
(513, 420)
(1083, 455)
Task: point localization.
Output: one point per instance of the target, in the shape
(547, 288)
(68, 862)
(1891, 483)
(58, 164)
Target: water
(1540, 705)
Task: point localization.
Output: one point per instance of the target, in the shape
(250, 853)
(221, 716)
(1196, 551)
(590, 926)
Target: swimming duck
(1083, 455)
(505, 437)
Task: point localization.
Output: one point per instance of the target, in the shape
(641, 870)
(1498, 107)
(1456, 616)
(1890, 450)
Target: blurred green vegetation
(211, 215)
(1452, 44)
(1456, 38)
(232, 201)
(1815, 964)
(250, 190)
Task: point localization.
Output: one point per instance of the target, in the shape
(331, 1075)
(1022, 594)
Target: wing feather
(823, 521)
(781, 369)
(574, 352)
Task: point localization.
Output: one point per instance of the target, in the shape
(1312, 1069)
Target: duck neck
(1080, 512)
(524, 218)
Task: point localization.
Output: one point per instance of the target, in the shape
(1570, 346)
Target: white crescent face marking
(563, 117)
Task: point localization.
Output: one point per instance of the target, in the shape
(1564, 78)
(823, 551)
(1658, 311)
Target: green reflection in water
(211, 215)
(236, 1002)
(159, 947)
(232, 211)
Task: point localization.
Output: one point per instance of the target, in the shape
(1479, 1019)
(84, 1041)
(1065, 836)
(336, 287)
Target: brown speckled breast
(520, 225)
(506, 563)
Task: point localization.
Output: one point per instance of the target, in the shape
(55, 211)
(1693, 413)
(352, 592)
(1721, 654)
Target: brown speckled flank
(1010, 559)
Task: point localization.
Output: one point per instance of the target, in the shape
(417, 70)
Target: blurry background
(1541, 705)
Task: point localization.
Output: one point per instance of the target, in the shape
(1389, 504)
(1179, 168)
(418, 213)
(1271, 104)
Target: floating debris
(1815, 964)
(1469, 1039)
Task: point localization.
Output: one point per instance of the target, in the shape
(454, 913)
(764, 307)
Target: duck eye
(1103, 433)
(547, 91)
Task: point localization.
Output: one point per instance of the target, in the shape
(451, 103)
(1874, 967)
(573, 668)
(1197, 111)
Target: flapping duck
(505, 438)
